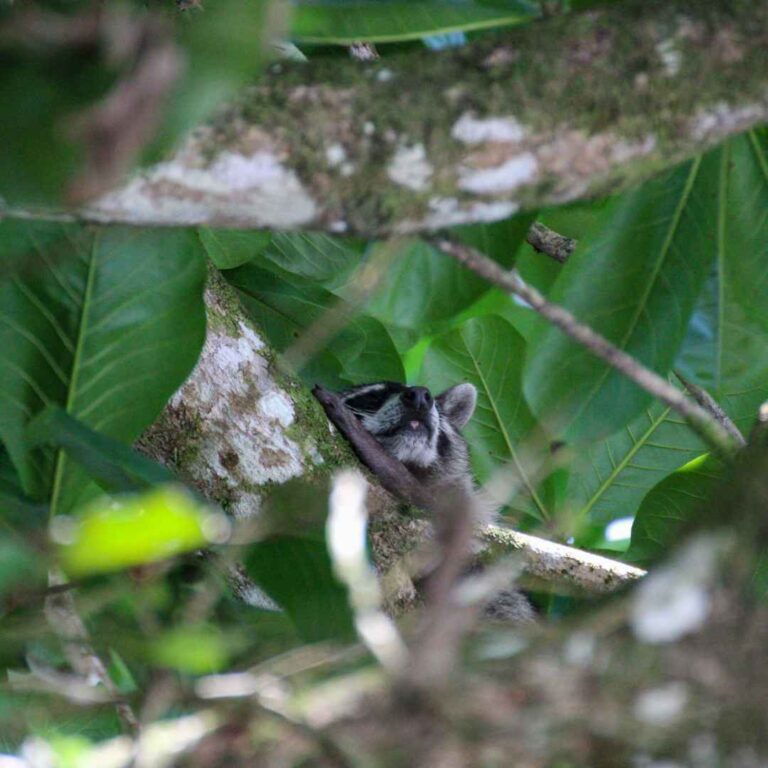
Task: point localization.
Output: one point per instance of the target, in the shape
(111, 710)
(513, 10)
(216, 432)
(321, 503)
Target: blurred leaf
(425, 289)
(669, 506)
(230, 248)
(488, 352)
(224, 45)
(15, 507)
(286, 306)
(113, 465)
(107, 331)
(635, 280)
(726, 349)
(20, 565)
(296, 572)
(160, 69)
(195, 650)
(115, 533)
(610, 477)
(343, 22)
(120, 674)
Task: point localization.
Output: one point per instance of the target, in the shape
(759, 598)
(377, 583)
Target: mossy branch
(566, 108)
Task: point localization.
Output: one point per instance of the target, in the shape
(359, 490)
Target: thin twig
(708, 403)
(705, 425)
(65, 621)
(545, 240)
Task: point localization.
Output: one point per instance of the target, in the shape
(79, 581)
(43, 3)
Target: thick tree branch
(558, 110)
(709, 428)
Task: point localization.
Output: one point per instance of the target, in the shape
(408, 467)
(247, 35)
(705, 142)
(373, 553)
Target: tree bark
(562, 109)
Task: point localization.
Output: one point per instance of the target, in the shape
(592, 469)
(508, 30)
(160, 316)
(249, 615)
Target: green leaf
(16, 508)
(669, 506)
(488, 352)
(195, 650)
(343, 22)
(425, 289)
(285, 307)
(230, 248)
(726, 350)
(107, 331)
(296, 572)
(635, 280)
(115, 533)
(610, 477)
(113, 465)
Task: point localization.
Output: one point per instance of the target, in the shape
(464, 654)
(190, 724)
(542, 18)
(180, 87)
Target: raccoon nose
(419, 398)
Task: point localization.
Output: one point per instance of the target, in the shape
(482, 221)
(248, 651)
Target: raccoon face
(420, 430)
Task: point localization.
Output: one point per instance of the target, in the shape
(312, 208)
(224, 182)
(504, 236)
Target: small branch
(573, 570)
(709, 404)
(64, 620)
(545, 240)
(705, 425)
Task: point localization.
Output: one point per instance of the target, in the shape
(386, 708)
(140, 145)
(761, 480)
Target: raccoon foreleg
(393, 474)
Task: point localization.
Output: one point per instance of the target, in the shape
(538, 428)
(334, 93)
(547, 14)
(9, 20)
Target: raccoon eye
(367, 401)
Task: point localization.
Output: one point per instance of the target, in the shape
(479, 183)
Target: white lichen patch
(410, 168)
(671, 57)
(506, 177)
(662, 706)
(335, 155)
(241, 415)
(254, 189)
(472, 130)
(448, 212)
(721, 120)
(675, 600)
(276, 405)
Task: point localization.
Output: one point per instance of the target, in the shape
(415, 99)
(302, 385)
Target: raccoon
(424, 433)
(418, 429)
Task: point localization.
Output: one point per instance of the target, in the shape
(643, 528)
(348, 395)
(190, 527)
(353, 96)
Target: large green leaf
(107, 330)
(425, 289)
(113, 465)
(488, 352)
(285, 307)
(349, 21)
(296, 572)
(635, 279)
(609, 478)
(669, 506)
(726, 350)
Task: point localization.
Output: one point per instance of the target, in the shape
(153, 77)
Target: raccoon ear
(457, 404)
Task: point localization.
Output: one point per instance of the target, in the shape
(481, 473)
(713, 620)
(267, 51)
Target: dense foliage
(100, 325)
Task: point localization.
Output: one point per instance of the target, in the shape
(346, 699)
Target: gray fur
(425, 437)
(424, 433)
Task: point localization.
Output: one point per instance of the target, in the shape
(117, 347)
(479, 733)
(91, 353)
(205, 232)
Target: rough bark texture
(561, 109)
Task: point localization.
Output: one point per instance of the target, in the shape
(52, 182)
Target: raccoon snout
(418, 398)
